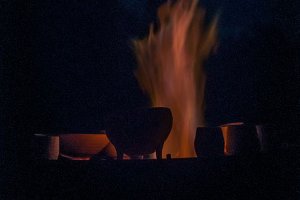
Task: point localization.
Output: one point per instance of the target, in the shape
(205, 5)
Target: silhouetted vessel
(140, 131)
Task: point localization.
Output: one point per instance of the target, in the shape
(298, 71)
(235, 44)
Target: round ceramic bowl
(82, 146)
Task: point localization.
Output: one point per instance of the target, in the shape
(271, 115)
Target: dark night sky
(85, 64)
(67, 64)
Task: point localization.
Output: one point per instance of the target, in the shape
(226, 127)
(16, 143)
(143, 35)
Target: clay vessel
(240, 139)
(74, 145)
(140, 131)
(209, 142)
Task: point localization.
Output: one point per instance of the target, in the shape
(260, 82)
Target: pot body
(45, 147)
(268, 137)
(209, 142)
(140, 131)
(82, 145)
(240, 139)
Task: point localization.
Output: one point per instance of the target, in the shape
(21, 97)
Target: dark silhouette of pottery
(209, 142)
(139, 132)
(268, 137)
(240, 139)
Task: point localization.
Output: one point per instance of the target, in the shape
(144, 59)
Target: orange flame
(170, 69)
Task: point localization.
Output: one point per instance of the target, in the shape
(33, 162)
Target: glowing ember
(171, 72)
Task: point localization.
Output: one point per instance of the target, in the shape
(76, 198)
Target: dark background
(65, 65)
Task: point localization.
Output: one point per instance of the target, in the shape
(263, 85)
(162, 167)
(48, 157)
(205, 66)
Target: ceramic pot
(268, 137)
(140, 131)
(45, 147)
(82, 146)
(209, 142)
(240, 139)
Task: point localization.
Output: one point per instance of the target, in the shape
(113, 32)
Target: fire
(171, 70)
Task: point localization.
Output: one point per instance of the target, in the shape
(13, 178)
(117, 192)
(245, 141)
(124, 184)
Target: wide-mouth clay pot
(140, 131)
(82, 146)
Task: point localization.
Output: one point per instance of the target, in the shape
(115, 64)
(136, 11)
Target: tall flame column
(170, 69)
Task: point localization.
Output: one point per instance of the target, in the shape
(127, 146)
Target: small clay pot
(240, 139)
(268, 137)
(45, 147)
(139, 132)
(209, 142)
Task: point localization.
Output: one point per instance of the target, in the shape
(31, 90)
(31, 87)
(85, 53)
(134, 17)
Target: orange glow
(224, 129)
(82, 146)
(171, 69)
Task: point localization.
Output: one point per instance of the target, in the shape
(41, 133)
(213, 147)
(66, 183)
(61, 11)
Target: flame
(171, 70)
